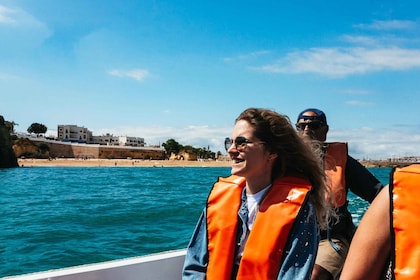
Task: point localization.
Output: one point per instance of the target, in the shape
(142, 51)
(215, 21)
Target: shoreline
(72, 162)
(75, 162)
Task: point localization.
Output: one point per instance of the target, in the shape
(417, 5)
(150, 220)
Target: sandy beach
(29, 162)
(120, 162)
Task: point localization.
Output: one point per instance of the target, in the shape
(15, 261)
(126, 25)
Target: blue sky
(186, 69)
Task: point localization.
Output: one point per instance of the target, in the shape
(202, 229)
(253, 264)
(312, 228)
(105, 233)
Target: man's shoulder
(358, 174)
(357, 170)
(354, 162)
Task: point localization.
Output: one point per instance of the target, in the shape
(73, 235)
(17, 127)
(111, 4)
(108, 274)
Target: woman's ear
(272, 156)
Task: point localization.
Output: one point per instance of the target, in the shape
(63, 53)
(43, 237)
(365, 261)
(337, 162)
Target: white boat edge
(165, 265)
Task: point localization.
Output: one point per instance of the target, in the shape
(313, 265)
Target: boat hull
(166, 266)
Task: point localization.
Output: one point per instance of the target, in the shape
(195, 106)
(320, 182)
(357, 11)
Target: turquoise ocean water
(55, 217)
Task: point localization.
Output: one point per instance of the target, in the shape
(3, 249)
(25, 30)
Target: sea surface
(55, 217)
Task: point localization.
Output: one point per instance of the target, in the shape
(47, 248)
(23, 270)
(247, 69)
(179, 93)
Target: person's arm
(300, 258)
(371, 245)
(361, 181)
(196, 259)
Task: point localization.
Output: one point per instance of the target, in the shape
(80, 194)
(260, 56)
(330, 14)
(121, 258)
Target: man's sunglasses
(240, 143)
(311, 125)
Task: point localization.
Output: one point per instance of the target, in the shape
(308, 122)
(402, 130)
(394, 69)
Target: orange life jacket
(263, 252)
(335, 160)
(405, 191)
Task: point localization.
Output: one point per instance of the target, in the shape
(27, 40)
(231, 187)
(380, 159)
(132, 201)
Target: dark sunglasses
(240, 143)
(311, 125)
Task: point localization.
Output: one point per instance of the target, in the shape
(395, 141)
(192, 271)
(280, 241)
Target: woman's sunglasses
(311, 125)
(240, 143)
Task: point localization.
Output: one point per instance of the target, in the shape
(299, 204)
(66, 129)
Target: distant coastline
(386, 163)
(29, 162)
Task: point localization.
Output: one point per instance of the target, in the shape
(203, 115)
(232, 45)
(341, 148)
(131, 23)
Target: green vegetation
(37, 128)
(7, 155)
(172, 146)
(10, 125)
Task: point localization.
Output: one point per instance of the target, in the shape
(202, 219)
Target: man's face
(312, 128)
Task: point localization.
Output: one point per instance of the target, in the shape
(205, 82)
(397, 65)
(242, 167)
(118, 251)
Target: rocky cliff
(7, 155)
(24, 147)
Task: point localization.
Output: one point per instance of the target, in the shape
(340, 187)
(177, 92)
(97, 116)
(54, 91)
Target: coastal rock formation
(24, 147)
(182, 155)
(7, 156)
(42, 149)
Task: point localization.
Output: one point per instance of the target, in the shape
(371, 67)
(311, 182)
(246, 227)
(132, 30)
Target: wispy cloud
(388, 25)
(6, 15)
(340, 62)
(384, 49)
(360, 40)
(6, 76)
(379, 144)
(20, 31)
(247, 56)
(380, 40)
(356, 91)
(136, 74)
(359, 103)
(21, 19)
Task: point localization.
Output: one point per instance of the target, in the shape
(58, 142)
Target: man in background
(343, 173)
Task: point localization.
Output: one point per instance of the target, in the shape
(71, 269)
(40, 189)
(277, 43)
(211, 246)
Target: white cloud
(6, 76)
(20, 31)
(360, 40)
(383, 48)
(388, 25)
(136, 74)
(359, 103)
(247, 56)
(380, 40)
(356, 91)
(18, 18)
(6, 15)
(369, 143)
(340, 62)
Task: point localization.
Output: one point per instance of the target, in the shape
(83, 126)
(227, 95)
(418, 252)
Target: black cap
(320, 116)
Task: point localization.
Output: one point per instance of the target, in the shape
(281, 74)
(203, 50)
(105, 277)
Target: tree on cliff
(10, 126)
(37, 128)
(172, 146)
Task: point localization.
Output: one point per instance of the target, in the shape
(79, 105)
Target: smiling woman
(274, 173)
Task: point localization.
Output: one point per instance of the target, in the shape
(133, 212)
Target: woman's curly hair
(295, 157)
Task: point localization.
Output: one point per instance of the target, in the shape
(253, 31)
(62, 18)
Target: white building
(107, 139)
(73, 133)
(131, 141)
(111, 140)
